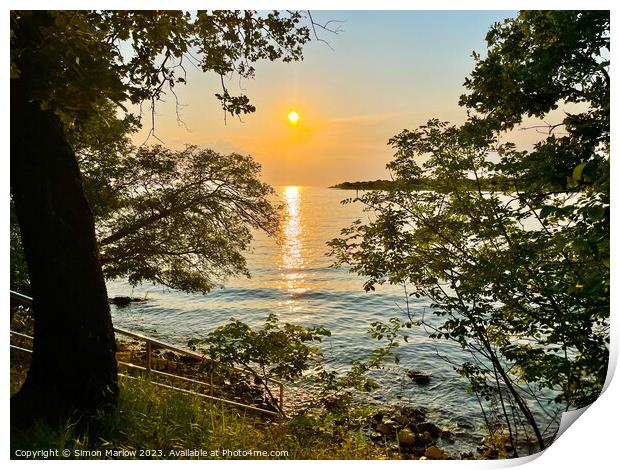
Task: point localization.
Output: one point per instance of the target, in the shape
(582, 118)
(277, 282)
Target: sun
(293, 117)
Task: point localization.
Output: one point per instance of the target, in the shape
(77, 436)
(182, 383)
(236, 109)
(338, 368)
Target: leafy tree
(182, 218)
(67, 69)
(520, 277)
(178, 218)
(555, 58)
(291, 353)
(272, 352)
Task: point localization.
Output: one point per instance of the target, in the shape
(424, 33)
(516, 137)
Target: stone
(386, 427)
(433, 429)
(435, 453)
(420, 378)
(447, 434)
(418, 451)
(414, 414)
(425, 437)
(123, 301)
(376, 436)
(406, 437)
(378, 416)
(170, 356)
(401, 419)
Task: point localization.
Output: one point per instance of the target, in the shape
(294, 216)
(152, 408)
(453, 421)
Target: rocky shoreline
(406, 430)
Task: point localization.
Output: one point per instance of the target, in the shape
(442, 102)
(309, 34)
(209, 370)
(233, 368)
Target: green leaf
(578, 171)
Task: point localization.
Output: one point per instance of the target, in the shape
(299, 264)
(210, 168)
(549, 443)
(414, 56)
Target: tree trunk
(73, 363)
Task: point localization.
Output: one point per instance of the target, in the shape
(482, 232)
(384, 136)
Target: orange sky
(387, 71)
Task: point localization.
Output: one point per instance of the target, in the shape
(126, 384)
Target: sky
(386, 71)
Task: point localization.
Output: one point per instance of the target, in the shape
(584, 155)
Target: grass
(155, 422)
(151, 422)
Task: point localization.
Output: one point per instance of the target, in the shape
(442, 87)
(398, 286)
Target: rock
(423, 458)
(425, 437)
(419, 377)
(242, 388)
(435, 453)
(406, 437)
(169, 355)
(376, 436)
(378, 416)
(401, 419)
(431, 428)
(418, 451)
(189, 360)
(448, 435)
(123, 301)
(382, 429)
(387, 427)
(415, 414)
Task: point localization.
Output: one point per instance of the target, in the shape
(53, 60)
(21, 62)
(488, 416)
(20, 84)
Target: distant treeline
(425, 184)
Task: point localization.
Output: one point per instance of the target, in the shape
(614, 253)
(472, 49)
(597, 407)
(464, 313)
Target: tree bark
(73, 365)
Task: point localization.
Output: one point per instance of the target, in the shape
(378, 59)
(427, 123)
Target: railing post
(281, 396)
(149, 350)
(211, 376)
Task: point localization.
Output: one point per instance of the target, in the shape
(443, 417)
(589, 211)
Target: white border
(591, 443)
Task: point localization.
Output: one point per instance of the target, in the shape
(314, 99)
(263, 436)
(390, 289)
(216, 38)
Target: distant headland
(421, 184)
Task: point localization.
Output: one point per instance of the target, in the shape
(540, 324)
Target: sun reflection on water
(292, 251)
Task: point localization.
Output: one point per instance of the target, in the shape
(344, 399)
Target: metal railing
(152, 343)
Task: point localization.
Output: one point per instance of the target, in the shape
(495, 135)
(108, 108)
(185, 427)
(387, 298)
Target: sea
(292, 275)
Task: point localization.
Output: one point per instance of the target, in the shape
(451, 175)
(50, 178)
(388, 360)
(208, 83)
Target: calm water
(293, 278)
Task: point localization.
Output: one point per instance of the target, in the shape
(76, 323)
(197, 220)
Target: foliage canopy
(136, 56)
(520, 275)
(179, 218)
(184, 218)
